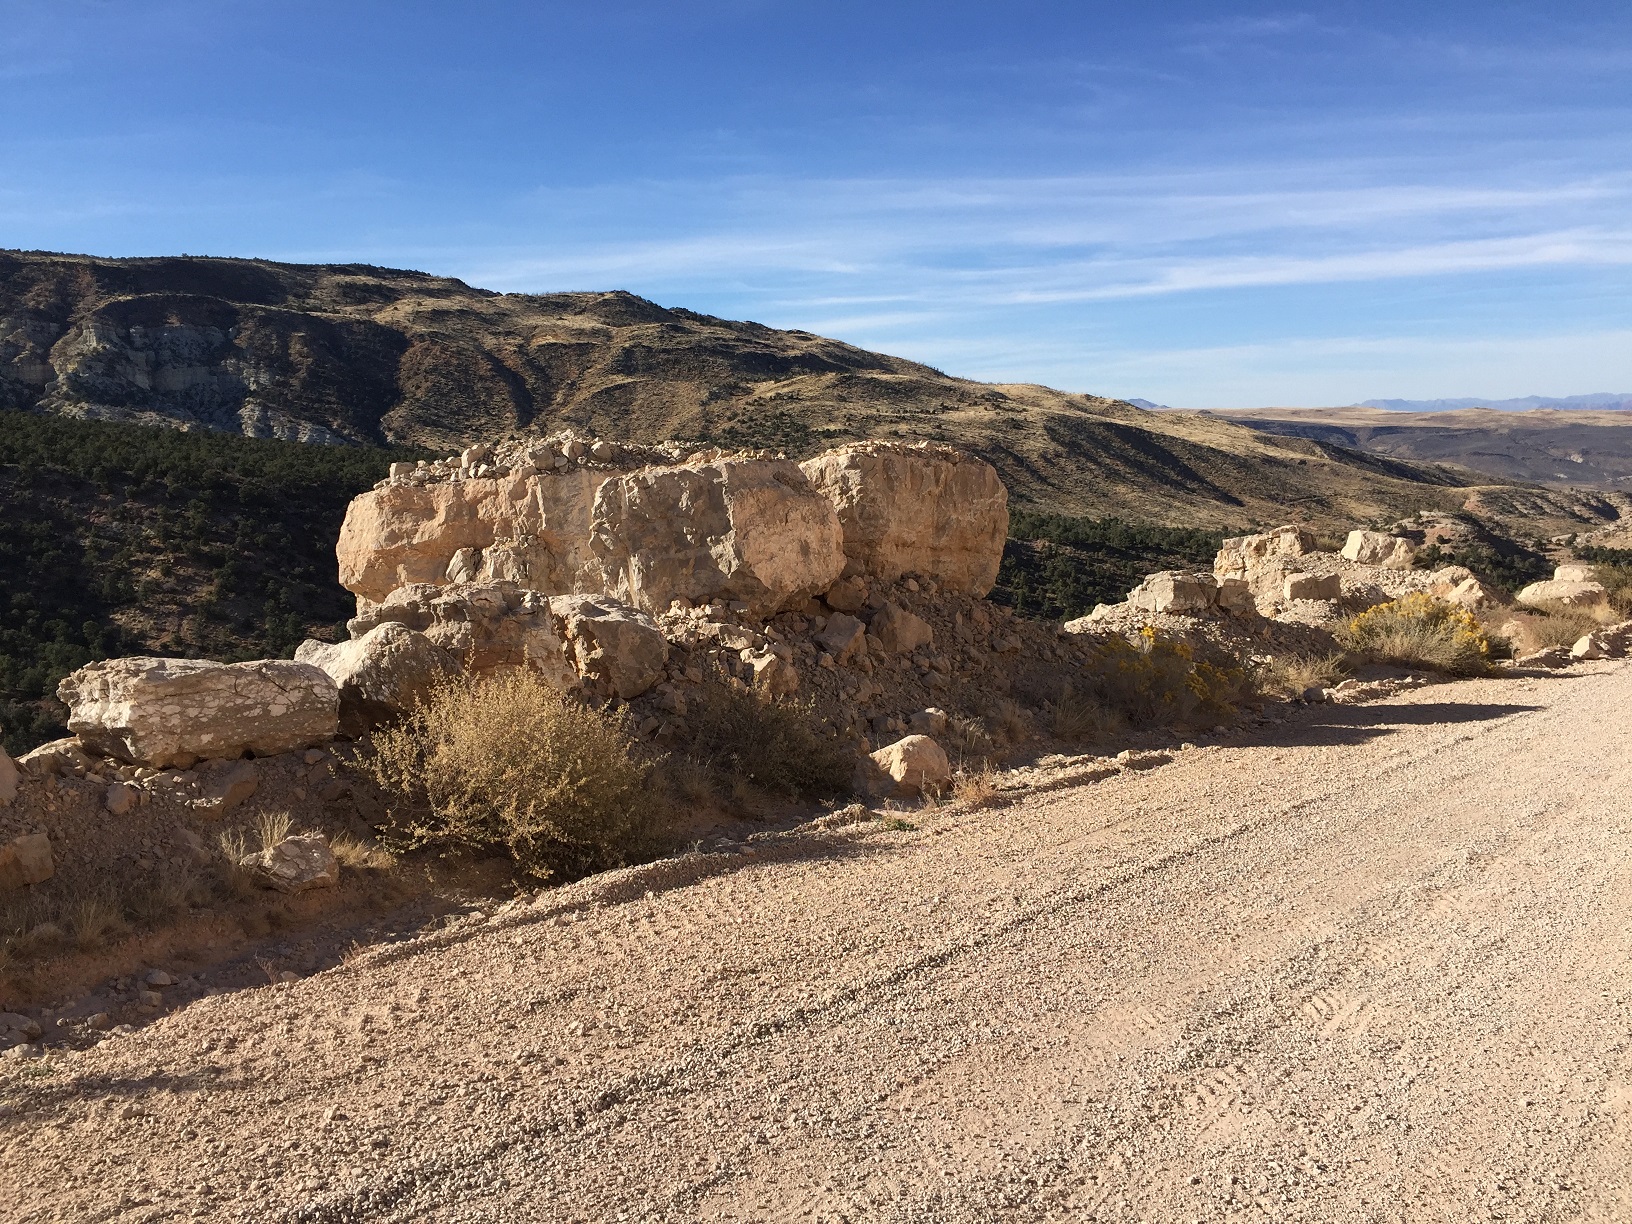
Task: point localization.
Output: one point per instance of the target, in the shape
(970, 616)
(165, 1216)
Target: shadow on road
(1359, 724)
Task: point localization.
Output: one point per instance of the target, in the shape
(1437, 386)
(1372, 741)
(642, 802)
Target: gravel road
(1374, 963)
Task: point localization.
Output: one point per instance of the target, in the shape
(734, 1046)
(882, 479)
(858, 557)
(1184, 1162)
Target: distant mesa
(1600, 400)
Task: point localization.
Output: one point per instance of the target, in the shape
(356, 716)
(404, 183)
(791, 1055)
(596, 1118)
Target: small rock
(296, 864)
(149, 998)
(17, 1023)
(898, 630)
(931, 721)
(1130, 759)
(159, 978)
(98, 1021)
(916, 764)
(120, 799)
(25, 860)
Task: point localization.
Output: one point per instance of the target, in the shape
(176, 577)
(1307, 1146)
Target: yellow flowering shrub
(1420, 631)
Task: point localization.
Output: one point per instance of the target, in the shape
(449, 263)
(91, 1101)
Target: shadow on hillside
(1337, 726)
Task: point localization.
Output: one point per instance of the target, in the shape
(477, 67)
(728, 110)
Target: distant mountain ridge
(351, 353)
(1602, 399)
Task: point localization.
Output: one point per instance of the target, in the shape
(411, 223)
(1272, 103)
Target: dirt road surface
(1374, 963)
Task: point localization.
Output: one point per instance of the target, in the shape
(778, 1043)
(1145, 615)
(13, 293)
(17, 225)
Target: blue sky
(1200, 204)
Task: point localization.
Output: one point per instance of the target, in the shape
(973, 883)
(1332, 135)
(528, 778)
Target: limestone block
(296, 864)
(843, 636)
(1378, 548)
(743, 530)
(617, 650)
(916, 764)
(381, 675)
(1575, 571)
(1312, 586)
(175, 712)
(1176, 592)
(919, 509)
(899, 631)
(528, 528)
(1565, 593)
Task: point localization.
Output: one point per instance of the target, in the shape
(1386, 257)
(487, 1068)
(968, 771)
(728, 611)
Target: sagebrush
(506, 762)
(777, 746)
(1420, 631)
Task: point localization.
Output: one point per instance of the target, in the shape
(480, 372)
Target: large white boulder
(1575, 571)
(617, 650)
(921, 509)
(526, 527)
(916, 765)
(1176, 592)
(381, 675)
(1563, 593)
(750, 530)
(1379, 548)
(175, 712)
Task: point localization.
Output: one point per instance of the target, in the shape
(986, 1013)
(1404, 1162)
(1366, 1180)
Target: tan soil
(1370, 964)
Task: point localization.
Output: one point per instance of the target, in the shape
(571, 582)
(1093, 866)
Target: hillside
(351, 353)
(124, 540)
(1574, 447)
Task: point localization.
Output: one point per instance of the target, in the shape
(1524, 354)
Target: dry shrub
(361, 855)
(976, 788)
(1291, 675)
(1009, 722)
(1077, 716)
(506, 762)
(1420, 631)
(1617, 580)
(686, 780)
(92, 920)
(1157, 682)
(970, 741)
(773, 746)
(1556, 624)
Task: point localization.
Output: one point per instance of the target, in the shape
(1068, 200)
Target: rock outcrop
(919, 509)
(1563, 593)
(741, 530)
(381, 675)
(1175, 591)
(1378, 548)
(175, 712)
(574, 642)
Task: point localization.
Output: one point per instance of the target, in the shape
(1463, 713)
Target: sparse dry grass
(1292, 675)
(358, 855)
(976, 788)
(776, 747)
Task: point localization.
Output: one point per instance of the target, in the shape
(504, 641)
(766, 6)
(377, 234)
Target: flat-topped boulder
(1175, 591)
(176, 712)
(917, 509)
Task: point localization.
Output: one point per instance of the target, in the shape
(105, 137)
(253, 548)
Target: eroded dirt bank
(1374, 963)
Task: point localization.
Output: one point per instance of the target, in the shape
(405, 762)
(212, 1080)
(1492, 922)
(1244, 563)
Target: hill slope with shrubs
(122, 539)
(377, 355)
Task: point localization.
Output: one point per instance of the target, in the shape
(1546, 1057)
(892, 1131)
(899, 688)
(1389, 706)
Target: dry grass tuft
(1077, 716)
(1292, 675)
(361, 855)
(506, 762)
(1420, 631)
(977, 789)
(1555, 624)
